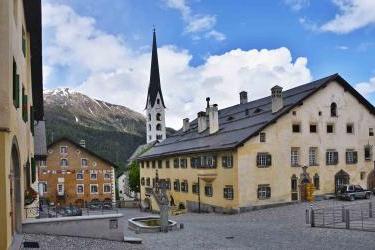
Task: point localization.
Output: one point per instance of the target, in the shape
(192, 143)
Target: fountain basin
(149, 224)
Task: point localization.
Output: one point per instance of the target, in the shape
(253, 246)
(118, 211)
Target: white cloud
(366, 88)
(114, 73)
(354, 14)
(297, 5)
(196, 23)
(342, 47)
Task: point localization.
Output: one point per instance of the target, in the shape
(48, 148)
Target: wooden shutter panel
(258, 161)
(327, 153)
(346, 157)
(336, 157)
(268, 192)
(269, 160)
(33, 170)
(258, 192)
(17, 92)
(355, 156)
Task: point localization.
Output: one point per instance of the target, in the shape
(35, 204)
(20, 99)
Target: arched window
(158, 117)
(149, 117)
(64, 162)
(158, 127)
(333, 109)
(294, 187)
(316, 182)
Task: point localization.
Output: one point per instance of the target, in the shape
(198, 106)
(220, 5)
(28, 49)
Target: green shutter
(33, 170)
(23, 42)
(32, 120)
(24, 106)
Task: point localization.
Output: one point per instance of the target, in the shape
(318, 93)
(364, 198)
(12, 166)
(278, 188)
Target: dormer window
(333, 109)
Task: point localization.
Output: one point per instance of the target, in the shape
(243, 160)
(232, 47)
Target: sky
(213, 48)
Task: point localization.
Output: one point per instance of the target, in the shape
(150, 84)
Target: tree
(134, 178)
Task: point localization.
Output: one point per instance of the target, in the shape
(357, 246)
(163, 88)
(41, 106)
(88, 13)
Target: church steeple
(154, 87)
(155, 107)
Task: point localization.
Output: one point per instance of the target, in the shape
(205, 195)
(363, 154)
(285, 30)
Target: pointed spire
(154, 86)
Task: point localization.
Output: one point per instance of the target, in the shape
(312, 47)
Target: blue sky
(321, 38)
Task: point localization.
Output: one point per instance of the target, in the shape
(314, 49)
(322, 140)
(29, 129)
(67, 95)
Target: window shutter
(346, 157)
(327, 153)
(268, 192)
(336, 157)
(32, 120)
(258, 159)
(258, 192)
(33, 170)
(224, 161)
(269, 160)
(17, 92)
(355, 156)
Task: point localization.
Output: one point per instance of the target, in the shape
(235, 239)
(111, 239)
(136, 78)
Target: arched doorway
(371, 180)
(15, 189)
(341, 178)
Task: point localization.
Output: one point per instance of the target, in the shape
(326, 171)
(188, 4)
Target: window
(208, 190)
(294, 187)
(150, 137)
(168, 181)
(183, 163)
(371, 132)
(159, 137)
(63, 162)
(147, 164)
(195, 162)
(313, 128)
(167, 164)
(320, 113)
(80, 188)
(195, 188)
(368, 152)
(158, 117)
(313, 156)
(149, 127)
(143, 181)
(264, 160)
(107, 188)
(93, 188)
(184, 186)
(363, 175)
(84, 162)
(330, 128)
(24, 106)
(228, 192)
(211, 161)
(16, 86)
(227, 161)
(332, 157)
(349, 128)
(149, 117)
(158, 101)
(79, 176)
(158, 127)
(351, 156)
(264, 191)
(142, 164)
(153, 164)
(294, 113)
(148, 181)
(43, 187)
(296, 128)
(107, 176)
(333, 109)
(60, 189)
(294, 157)
(63, 149)
(93, 176)
(176, 163)
(23, 41)
(176, 185)
(262, 137)
(32, 120)
(160, 164)
(316, 182)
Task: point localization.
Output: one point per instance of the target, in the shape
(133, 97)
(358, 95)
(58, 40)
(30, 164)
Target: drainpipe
(199, 196)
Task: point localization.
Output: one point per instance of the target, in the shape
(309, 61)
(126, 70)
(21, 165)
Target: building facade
(74, 175)
(21, 108)
(155, 107)
(261, 152)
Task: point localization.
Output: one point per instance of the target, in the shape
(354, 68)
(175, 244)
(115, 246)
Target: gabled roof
(140, 150)
(82, 148)
(154, 86)
(241, 122)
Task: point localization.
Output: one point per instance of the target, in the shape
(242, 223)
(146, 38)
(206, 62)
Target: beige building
(253, 153)
(21, 112)
(75, 175)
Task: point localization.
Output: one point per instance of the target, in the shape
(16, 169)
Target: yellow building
(259, 153)
(21, 108)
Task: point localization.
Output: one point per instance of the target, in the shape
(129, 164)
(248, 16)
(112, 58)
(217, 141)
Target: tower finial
(153, 28)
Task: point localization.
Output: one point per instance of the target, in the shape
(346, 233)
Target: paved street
(274, 228)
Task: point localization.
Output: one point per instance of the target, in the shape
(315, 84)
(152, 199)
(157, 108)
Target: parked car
(72, 211)
(95, 206)
(107, 205)
(352, 192)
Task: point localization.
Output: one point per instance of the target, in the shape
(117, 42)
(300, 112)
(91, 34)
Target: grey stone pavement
(273, 228)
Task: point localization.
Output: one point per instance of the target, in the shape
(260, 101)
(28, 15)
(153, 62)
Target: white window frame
(44, 187)
(87, 162)
(66, 149)
(313, 156)
(97, 188)
(62, 188)
(82, 176)
(331, 158)
(83, 189)
(263, 159)
(96, 174)
(110, 188)
(262, 137)
(295, 156)
(349, 156)
(67, 162)
(108, 178)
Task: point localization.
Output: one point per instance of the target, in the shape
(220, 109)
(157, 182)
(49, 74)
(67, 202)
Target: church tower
(155, 107)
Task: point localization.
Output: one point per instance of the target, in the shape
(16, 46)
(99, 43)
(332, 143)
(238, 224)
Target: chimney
(213, 118)
(82, 143)
(202, 121)
(185, 124)
(277, 98)
(243, 97)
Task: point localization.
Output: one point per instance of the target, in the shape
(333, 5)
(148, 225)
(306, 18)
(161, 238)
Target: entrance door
(341, 179)
(15, 191)
(371, 180)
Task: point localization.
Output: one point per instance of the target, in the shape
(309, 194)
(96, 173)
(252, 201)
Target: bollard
(370, 210)
(312, 218)
(343, 213)
(347, 219)
(307, 216)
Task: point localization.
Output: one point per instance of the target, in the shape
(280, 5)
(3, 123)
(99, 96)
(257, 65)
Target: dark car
(352, 192)
(72, 211)
(95, 206)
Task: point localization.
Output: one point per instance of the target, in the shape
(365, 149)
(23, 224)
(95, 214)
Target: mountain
(112, 131)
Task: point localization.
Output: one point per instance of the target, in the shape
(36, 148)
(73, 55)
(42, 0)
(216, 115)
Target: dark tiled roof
(139, 150)
(154, 86)
(240, 122)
